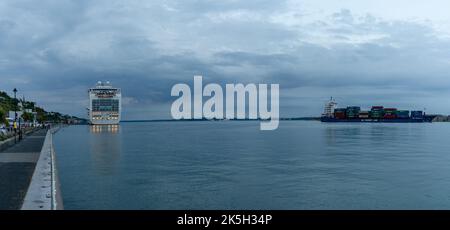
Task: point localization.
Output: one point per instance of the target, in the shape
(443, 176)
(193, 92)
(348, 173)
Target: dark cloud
(55, 50)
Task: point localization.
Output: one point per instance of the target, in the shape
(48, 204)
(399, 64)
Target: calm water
(234, 165)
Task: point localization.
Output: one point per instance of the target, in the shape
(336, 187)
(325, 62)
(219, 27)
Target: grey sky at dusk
(361, 52)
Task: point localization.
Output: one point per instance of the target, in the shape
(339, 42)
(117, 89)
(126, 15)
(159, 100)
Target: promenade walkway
(17, 165)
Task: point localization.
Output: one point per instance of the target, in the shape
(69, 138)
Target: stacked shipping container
(364, 114)
(402, 114)
(390, 113)
(416, 114)
(377, 112)
(353, 112)
(340, 113)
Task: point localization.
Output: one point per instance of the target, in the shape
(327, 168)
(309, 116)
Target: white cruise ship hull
(104, 122)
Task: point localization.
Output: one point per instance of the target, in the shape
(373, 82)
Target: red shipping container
(389, 116)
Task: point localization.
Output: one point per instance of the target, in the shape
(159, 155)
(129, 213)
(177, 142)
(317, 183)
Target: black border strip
(278, 218)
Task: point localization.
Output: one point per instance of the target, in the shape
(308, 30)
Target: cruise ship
(105, 104)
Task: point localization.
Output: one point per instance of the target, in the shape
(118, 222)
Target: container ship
(375, 114)
(104, 104)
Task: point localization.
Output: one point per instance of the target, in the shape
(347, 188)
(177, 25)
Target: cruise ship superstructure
(105, 104)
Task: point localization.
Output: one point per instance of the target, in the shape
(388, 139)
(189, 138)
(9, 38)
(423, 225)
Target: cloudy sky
(395, 53)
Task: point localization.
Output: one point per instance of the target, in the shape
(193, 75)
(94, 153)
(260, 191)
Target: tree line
(8, 103)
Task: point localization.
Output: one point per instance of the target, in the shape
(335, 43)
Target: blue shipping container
(416, 114)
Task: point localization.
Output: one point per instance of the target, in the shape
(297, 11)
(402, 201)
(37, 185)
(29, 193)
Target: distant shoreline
(173, 120)
(439, 119)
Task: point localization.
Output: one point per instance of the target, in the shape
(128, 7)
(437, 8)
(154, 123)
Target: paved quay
(17, 164)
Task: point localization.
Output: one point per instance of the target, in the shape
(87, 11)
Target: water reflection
(387, 138)
(341, 134)
(105, 147)
(104, 128)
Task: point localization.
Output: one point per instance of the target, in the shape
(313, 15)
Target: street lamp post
(15, 115)
(20, 127)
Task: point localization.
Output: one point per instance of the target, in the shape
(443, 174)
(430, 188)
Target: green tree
(27, 116)
(3, 116)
